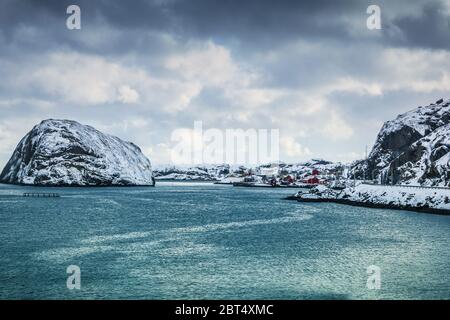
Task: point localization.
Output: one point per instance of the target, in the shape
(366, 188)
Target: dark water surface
(203, 241)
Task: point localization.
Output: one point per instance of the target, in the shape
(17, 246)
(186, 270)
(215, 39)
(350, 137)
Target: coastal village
(307, 174)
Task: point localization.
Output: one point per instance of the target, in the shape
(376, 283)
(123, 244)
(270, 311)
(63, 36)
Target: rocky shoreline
(426, 200)
(373, 205)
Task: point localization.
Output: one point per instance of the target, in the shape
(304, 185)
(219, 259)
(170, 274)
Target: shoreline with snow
(397, 197)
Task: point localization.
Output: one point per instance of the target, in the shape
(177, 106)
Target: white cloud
(349, 156)
(128, 95)
(252, 98)
(418, 70)
(352, 85)
(209, 64)
(335, 128)
(293, 149)
(35, 103)
(83, 79)
(89, 80)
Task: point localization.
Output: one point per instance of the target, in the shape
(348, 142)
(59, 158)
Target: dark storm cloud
(268, 21)
(198, 16)
(429, 29)
(108, 27)
(251, 23)
(44, 14)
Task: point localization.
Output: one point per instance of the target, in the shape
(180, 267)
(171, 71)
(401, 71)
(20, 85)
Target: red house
(312, 180)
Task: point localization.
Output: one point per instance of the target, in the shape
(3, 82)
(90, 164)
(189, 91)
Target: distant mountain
(412, 149)
(67, 153)
(225, 172)
(194, 173)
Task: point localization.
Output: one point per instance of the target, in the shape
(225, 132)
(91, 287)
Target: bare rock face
(67, 153)
(413, 148)
(426, 161)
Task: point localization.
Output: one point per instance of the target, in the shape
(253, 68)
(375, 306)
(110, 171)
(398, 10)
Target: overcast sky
(141, 69)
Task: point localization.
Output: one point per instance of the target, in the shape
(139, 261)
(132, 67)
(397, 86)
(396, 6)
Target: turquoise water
(203, 241)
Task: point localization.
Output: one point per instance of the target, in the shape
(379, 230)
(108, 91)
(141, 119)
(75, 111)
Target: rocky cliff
(67, 153)
(411, 149)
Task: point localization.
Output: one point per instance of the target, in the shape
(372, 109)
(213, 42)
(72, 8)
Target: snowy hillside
(195, 173)
(66, 153)
(304, 169)
(411, 149)
(401, 196)
(435, 200)
(226, 173)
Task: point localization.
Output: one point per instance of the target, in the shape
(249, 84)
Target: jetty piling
(41, 195)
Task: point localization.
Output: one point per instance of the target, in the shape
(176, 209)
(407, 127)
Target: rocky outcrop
(413, 198)
(411, 149)
(67, 153)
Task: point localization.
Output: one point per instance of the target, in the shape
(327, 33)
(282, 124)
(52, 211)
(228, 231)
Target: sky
(142, 69)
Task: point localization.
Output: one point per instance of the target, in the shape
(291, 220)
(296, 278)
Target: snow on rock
(225, 173)
(67, 153)
(399, 196)
(231, 180)
(319, 192)
(196, 173)
(426, 161)
(411, 149)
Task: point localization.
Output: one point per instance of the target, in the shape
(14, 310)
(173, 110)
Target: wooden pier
(41, 195)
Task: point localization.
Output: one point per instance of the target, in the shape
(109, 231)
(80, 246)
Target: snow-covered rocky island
(403, 197)
(408, 167)
(67, 153)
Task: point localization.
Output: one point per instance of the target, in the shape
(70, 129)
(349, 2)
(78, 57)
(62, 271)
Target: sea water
(205, 241)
